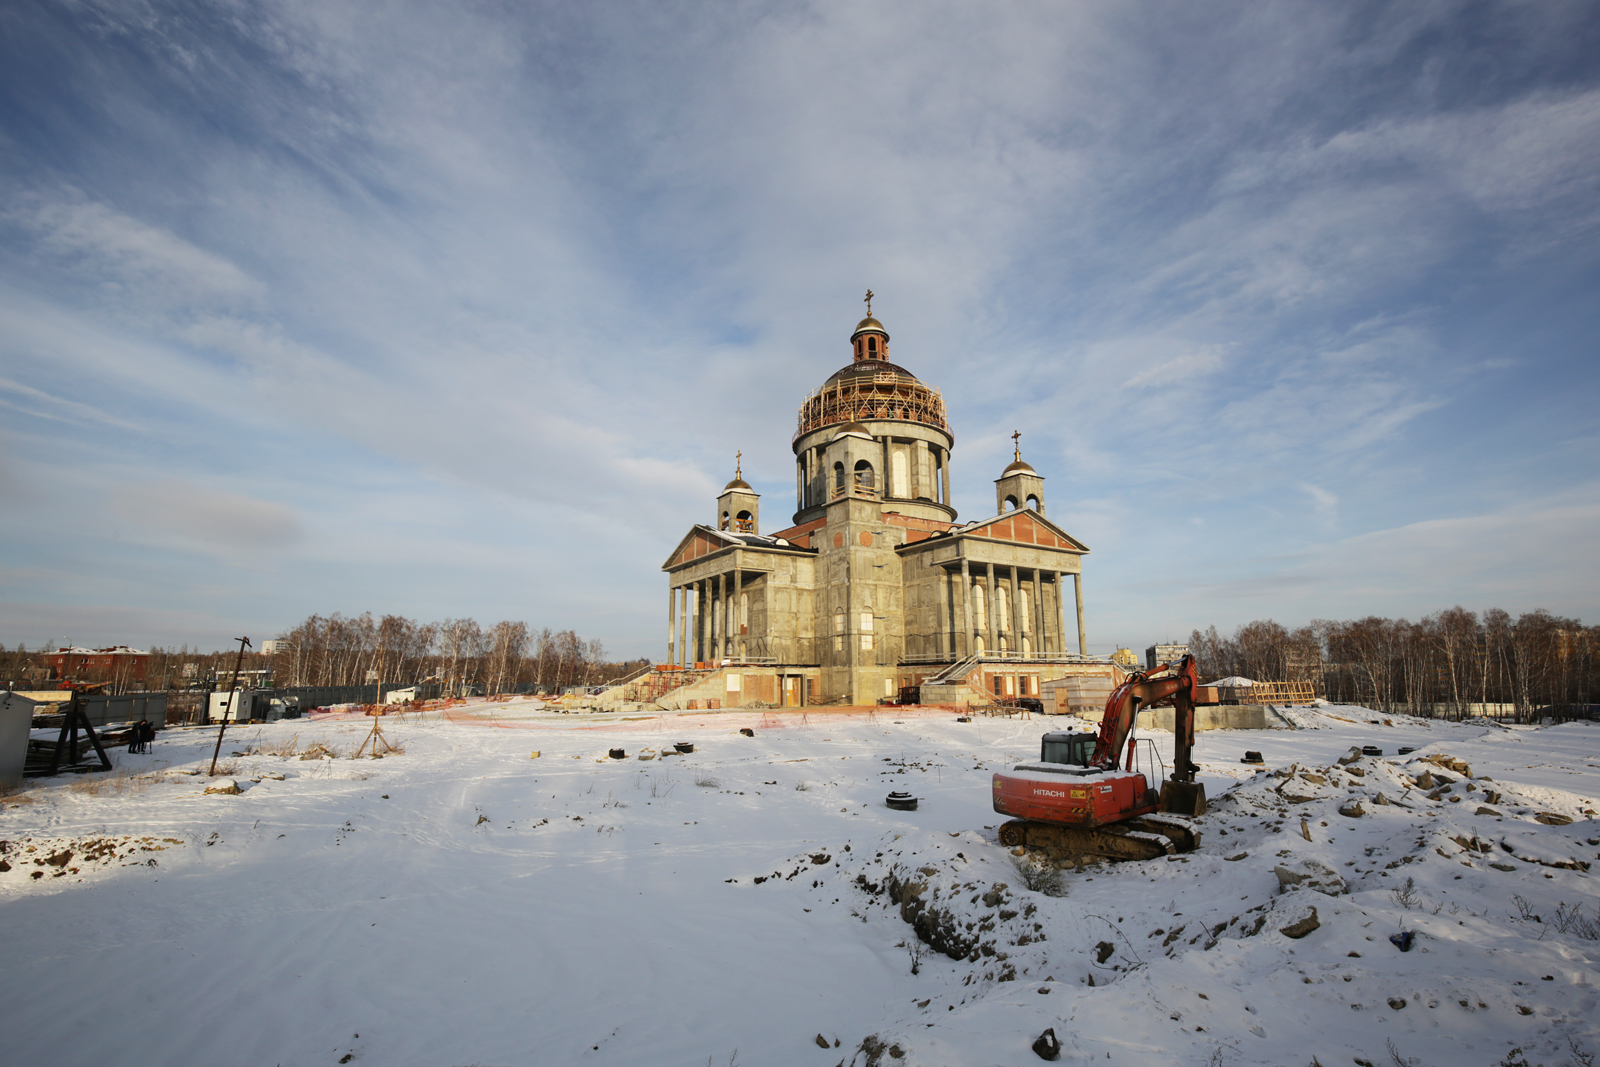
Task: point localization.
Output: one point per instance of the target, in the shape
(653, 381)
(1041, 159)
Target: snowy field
(465, 903)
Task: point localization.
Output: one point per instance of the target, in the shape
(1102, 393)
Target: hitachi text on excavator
(1104, 796)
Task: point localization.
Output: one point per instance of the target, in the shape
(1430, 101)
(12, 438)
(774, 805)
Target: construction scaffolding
(1276, 693)
(885, 394)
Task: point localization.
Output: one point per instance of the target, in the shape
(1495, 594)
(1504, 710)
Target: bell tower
(1019, 485)
(739, 506)
(871, 340)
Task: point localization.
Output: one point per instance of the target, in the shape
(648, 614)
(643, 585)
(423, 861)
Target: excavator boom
(1176, 684)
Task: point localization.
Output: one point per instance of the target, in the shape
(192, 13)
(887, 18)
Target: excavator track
(1179, 829)
(1146, 838)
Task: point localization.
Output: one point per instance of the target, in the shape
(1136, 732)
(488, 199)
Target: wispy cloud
(228, 524)
(107, 246)
(26, 399)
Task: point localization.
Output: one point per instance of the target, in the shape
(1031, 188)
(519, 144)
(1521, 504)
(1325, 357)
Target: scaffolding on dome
(884, 395)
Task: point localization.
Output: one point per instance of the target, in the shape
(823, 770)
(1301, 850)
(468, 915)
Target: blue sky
(447, 310)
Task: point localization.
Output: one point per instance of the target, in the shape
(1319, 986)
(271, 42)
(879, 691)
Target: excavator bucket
(1183, 798)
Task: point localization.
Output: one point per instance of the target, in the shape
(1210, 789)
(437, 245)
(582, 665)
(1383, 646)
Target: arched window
(724, 525)
(865, 478)
(744, 613)
(1011, 503)
(899, 475)
(872, 346)
(980, 608)
(838, 478)
(744, 523)
(1033, 502)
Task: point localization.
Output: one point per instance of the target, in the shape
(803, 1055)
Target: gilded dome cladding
(869, 323)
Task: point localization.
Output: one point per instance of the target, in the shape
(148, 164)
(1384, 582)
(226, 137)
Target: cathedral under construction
(874, 585)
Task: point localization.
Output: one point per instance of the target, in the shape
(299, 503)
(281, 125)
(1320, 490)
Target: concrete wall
(861, 577)
(1219, 717)
(787, 617)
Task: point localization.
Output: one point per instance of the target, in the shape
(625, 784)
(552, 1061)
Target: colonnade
(966, 622)
(705, 619)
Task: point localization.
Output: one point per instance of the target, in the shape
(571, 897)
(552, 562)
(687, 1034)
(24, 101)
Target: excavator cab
(1061, 746)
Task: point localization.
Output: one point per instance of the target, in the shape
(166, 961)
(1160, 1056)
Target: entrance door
(791, 691)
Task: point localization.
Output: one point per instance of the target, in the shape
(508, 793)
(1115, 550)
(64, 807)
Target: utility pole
(244, 643)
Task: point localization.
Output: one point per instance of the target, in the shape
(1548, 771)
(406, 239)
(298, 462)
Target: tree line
(341, 650)
(1454, 663)
(456, 653)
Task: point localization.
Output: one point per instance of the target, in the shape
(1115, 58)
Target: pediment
(1026, 527)
(700, 541)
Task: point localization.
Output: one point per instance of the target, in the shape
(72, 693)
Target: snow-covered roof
(114, 650)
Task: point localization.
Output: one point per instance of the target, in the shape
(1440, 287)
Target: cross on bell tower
(1019, 485)
(871, 340)
(738, 505)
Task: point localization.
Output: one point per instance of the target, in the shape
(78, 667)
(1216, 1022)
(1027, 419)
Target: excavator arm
(1176, 684)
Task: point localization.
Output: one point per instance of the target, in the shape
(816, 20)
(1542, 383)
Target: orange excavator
(1092, 796)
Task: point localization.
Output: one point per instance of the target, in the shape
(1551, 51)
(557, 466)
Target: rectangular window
(866, 631)
(838, 631)
(734, 683)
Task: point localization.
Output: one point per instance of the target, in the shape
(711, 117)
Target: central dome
(867, 368)
(871, 389)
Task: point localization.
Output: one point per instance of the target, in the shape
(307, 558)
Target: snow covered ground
(465, 903)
